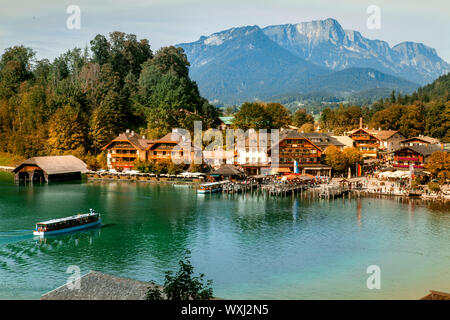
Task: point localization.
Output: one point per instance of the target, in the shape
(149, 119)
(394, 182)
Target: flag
(411, 170)
(358, 170)
(295, 167)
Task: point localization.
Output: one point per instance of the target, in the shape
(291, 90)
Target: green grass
(10, 160)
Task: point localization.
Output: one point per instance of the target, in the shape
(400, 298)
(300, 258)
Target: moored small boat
(211, 187)
(68, 224)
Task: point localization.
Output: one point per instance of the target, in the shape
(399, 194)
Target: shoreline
(359, 192)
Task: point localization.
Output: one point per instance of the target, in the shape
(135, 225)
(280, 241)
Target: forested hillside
(426, 111)
(84, 98)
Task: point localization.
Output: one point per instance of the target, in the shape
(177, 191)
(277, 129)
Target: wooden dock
(239, 187)
(280, 190)
(333, 190)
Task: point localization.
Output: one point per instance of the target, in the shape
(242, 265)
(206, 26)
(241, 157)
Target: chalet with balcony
(389, 140)
(368, 144)
(163, 148)
(124, 150)
(417, 155)
(419, 141)
(295, 147)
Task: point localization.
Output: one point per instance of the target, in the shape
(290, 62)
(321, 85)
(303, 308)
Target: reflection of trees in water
(154, 221)
(252, 215)
(439, 206)
(433, 205)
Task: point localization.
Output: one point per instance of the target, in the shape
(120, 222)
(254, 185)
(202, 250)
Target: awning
(282, 170)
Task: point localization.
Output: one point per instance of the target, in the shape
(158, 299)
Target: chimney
(132, 133)
(128, 131)
(360, 122)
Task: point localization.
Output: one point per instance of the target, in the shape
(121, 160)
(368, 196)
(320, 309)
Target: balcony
(407, 166)
(359, 137)
(122, 164)
(406, 159)
(124, 155)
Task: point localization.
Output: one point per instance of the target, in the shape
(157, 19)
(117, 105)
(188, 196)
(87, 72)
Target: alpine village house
(297, 151)
(125, 149)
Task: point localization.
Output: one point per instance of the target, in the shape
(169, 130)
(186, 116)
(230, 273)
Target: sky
(42, 25)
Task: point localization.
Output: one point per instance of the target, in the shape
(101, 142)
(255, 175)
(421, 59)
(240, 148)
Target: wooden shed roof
(227, 170)
(99, 286)
(55, 164)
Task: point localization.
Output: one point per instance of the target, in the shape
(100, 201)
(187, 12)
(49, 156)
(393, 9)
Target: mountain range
(249, 63)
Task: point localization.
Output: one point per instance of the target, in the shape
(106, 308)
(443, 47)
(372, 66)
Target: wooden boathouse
(50, 169)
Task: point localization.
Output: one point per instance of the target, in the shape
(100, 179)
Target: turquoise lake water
(252, 247)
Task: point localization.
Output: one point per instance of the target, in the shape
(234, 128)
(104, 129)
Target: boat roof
(214, 183)
(83, 215)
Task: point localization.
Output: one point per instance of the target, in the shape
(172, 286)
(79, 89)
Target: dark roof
(100, 286)
(227, 170)
(324, 139)
(292, 134)
(56, 164)
(422, 149)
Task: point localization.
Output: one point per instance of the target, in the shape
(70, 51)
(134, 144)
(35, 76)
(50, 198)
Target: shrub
(434, 187)
(182, 285)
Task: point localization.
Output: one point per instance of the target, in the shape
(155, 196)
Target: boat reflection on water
(82, 236)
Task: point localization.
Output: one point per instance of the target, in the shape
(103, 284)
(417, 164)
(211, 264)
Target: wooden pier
(239, 187)
(332, 191)
(280, 190)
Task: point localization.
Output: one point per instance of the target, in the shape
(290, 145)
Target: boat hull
(65, 230)
(208, 191)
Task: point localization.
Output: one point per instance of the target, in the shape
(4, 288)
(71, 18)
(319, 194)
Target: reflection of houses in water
(358, 210)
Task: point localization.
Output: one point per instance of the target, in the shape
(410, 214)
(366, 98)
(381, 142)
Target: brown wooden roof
(426, 139)
(366, 131)
(136, 140)
(437, 295)
(383, 134)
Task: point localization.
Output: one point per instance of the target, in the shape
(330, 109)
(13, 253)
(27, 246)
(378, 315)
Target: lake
(251, 246)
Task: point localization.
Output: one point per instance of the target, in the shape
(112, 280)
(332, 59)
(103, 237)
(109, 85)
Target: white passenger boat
(211, 187)
(68, 224)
